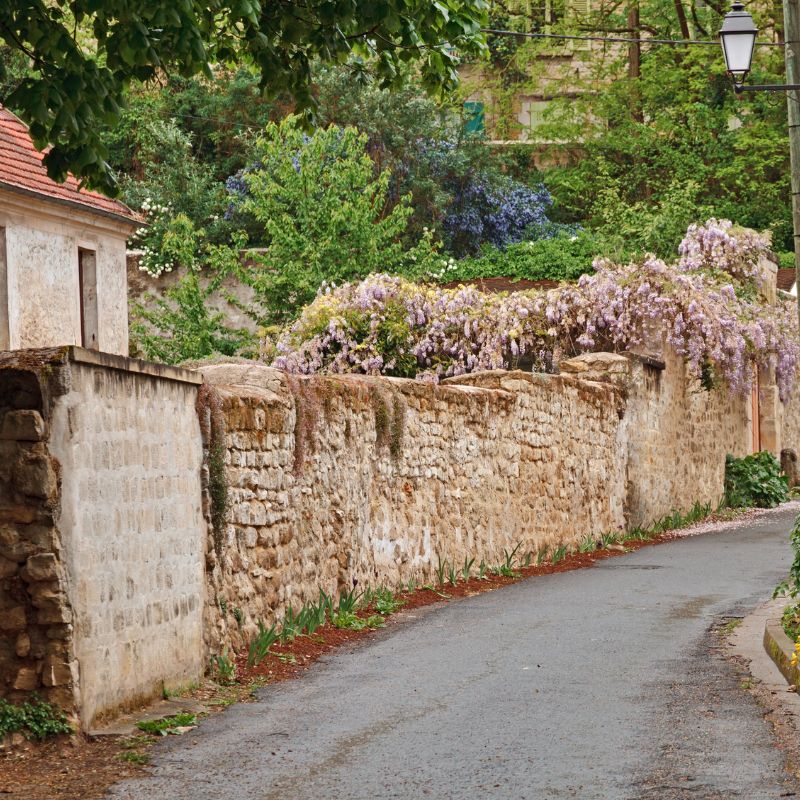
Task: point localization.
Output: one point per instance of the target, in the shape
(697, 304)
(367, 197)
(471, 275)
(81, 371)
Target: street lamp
(738, 38)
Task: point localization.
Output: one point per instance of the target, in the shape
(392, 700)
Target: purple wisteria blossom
(387, 325)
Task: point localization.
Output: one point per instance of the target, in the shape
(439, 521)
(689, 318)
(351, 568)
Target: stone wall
(342, 479)
(148, 522)
(678, 435)
(36, 651)
(347, 478)
(103, 538)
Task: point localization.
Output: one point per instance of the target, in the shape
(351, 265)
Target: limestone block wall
(790, 422)
(342, 479)
(110, 495)
(678, 435)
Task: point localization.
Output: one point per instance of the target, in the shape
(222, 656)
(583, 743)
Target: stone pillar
(789, 466)
(35, 617)
(769, 285)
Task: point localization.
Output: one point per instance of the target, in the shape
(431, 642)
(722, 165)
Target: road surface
(598, 683)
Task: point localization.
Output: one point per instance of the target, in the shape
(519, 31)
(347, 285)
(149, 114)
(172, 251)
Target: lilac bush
(705, 303)
(500, 211)
(475, 202)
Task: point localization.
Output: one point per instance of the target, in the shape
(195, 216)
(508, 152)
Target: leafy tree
(326, 215)
(183, 324)
(84, 54)
(690, 150)
(645, 140)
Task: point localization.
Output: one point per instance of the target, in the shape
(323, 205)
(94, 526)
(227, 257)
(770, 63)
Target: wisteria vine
(706, 304)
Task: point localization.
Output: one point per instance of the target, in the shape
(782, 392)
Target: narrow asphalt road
(600, 683)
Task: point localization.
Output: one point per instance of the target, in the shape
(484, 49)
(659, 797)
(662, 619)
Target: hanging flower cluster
(704, 304)
(719, 245)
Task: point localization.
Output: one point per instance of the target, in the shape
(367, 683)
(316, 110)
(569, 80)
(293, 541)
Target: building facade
(63, 278)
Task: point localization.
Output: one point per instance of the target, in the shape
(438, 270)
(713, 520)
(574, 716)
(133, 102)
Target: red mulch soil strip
(287, 661)
(77, 768)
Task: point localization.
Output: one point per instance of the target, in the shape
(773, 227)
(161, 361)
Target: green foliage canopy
(84, 54)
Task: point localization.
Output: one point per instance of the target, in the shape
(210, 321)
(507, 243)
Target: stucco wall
(121, 444)
(131, 531)
(41, 272)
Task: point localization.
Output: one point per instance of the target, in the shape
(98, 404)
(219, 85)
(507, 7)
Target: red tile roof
(21, 168)
(785, 279)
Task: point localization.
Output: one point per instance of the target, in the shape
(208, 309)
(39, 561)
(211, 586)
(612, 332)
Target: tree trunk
(684, 23)
(635, 60)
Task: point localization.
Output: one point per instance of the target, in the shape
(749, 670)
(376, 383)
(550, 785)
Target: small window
(473, 117)
(531, 116)
(87, 278)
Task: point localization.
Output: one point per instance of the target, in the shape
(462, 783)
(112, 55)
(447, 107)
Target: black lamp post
(738, 38)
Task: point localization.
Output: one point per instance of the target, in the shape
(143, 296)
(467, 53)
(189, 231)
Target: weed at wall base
(35, 719)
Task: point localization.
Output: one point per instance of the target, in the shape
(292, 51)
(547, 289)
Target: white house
(62, 255)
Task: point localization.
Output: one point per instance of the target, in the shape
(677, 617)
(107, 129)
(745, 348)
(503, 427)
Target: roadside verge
(780, 647)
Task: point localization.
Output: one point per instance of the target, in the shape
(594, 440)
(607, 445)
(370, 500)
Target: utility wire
(704, 42)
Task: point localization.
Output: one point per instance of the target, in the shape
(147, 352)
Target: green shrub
(327, 216)
(561, 258)
(791, 587)
(34, 719)
(755, 480)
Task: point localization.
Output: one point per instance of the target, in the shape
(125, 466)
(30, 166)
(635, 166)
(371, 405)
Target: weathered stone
(34, 476)
(63, 697)
(13, 619)
(23, 645)
(26, 680)
(41, 567)
(12, 546)
(19, 514)
(57, 672)
(46, 595)
(7, 567)
(54, 615)
(23, 425)
(789, 466)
